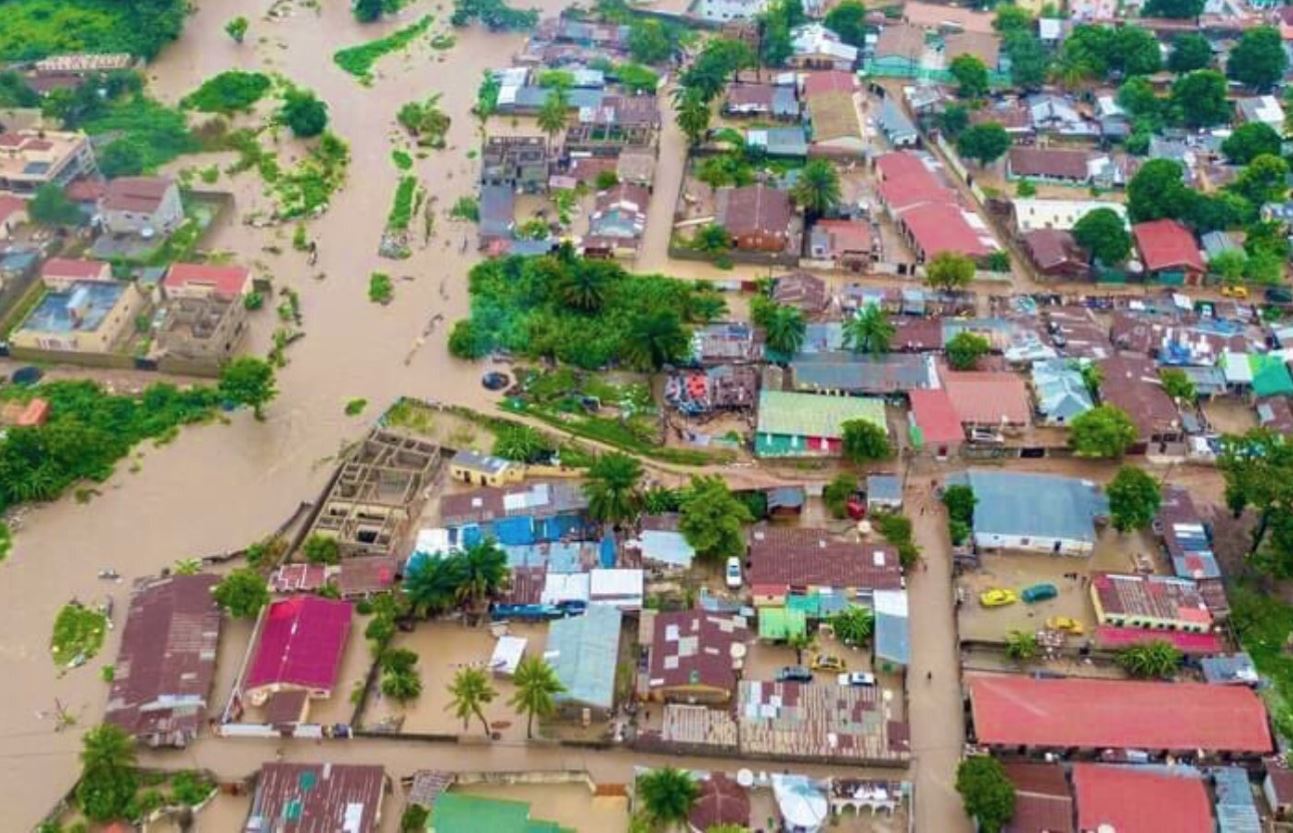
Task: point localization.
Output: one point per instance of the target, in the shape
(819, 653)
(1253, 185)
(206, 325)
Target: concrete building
(87, 317)
(32, 158)
(484, 470)
(312, 798)
(199, 332)
(1033, 512)
(143, 205)
(1151, 602)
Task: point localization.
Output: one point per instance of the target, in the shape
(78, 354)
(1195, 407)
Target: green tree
(236, 29)
(1104, 431)
(482, 574)
(818, 188)
(400, 678)
(783, 326)
(712, 519)
(775, 46)
(554, 112)
(953, 120)
(1250, 140)
(614, 488)
(303, 113)
(242, 593)
(1177, 385)
(965, 349)
(248, 381)
(1157, 191)
(848, 20)
(667, 795)
(1258, 60)
(986, 792)
(836, 494)
(431, 584)
(536, 688)
(1103, 234)
(1156, 660)
(656, 339)
(693, 117)
(971, 76)
(1263, 180)
(1190, 51)
(1138, 97)
(469, 693)
(1029, 59)
(367, 11)
(1201, 98)
(960, 501)
(1021, 646)
(854, 625)
(1265, 268)
(51, 207)
(1229, 265)
(1134, 498)
(121, 158)
(583, 286)
(108, 781)
(649, 42)
(1179, 9)
(520, 443)
(864, 441)
(1012, 18)
(984, 143)
(712, 238)
(949, 272)
(869, 331)
(1258, 470)
(321, 549)
(14, 91)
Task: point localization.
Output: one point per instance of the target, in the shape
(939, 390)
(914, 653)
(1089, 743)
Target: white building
(1033, 214)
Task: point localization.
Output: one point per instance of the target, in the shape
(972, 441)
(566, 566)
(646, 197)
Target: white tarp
(508, 652)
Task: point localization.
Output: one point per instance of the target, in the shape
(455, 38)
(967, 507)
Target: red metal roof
(906, 182)
(1166, 244)
(1194, 644)
(942, 227)
(1138, 800)
(224, 281)
(987, 397)
(301, 643)
(830, 81)
(936, 416)
(10, 206)
(1011, 710)
(74, 269)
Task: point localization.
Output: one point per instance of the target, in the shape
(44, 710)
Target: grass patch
(156, 132)
(306, 190)
(402, 160)
(229, 92)
(78, 634)
(359, 60)
(355, 407)
(22, 308)
(1264, 625)
(380, 288)
(466, 208)
(402, 211)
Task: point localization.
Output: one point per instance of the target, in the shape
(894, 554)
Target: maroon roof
(917, 334)
(694, 647)
(747, 95)
(721, 801)
(1166, 244)
(1051, 162)
(940, 227)
(799, 557)
(301, 643)
(754, 208)
(1131, 383)
(535, 498)
(167, 658)
(1153, 335)
(829, 81)
(1281, 414)
(1138, 800)
(143, 194)
(1052, 248)
(317, 798)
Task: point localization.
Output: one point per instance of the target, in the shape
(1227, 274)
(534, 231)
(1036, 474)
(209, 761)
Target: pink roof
(1013, 710)
(847, 235)
(1139, 800)
(936, 416)
(10, 206)
(301, 643)
(70, 269)
(831, 81)
(226, 281)
(1166, 244)
(906, 182)
(1194, 644)
(943, 227)
(985, 397)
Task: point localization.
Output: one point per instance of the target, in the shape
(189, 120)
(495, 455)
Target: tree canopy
(864, 441)
(649, 41)
(1179, 9)
(1103, 233)
(51, 207)
(949, 272)
(848, 20)
(613, 488)
(784, 327)
(1258, 470)
(868, 331)
(965, 349)
(304, 113)
(1201, 98)
(986, 792)
(1250, 140)
(667, 795)
(1104, 431)
(1157, 191)
(1134, 498)
(712, 519)
(985, 142)
(971, 76)
(1190, 51)
(242, 593)
(248, 380)
(1259, 59)
(1155, 660)
(817, 190)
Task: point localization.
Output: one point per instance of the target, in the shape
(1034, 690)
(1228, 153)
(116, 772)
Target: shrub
(227, 93)
(466, 208)
(380, 288)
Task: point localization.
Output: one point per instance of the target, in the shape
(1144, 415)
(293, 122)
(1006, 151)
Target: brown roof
(1052, 248)
(917, 334)
(317, 798)
(536, 498)
(286, 707)
(745, 95)
(1043, 802)
(633, 110)
(803, 290)
(800, 557)
(985, 46)
(721, 801)
(987, 397)
(1131, 383)
(142, 194)
(694, 648)
(900, 40)
(1053, 162)
(753, 208)
(1280, 414)
(167, 658)
(1281, 780)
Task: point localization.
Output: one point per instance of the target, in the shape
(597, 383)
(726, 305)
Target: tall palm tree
(107, 747)
(667, 795)
(471, 691)
(554, 112)
(484, 569)
(432, 582)
(583, 288)
(870, 331)
(693, 116)
(536, 686)
(613, 488)
(655, 339)
(785, 328)
(818, 188)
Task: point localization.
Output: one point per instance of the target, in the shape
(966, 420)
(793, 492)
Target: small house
(816, 47)
(584, 654)
(757, 217)
(807, 425)
(144, 205)
(693, 655)
(484, 470)
(1019, 511)
(1169, 252)
(883, 491)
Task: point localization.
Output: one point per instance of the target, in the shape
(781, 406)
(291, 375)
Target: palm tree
(613, 489)
(693, 117)
(869, 331)
(471, 692)
(553, 113)
(785, 328)
(484, 569)
(536, 685)
(818, 189)
(1021, 646)
(583, 288)
(799, 642)
(667, 795)
(432, 582)
(187, 567)
(106, 748)
(655, 339)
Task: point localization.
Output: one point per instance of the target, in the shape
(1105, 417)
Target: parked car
(1039, 593)
(828, 662)
(1279, 295)
(1065, 623)
(997, 597)
(794, 674)
(732, 575)
(857, 678)
(1239, 293)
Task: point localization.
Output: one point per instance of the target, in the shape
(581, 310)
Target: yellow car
(998, 597)
(1239, 293)
(1065, 623)
(826, 662)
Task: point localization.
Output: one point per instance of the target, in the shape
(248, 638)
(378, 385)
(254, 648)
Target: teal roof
(813, 415)
(459, 813)
(1270, 375)
(583, 651)
(778, 623)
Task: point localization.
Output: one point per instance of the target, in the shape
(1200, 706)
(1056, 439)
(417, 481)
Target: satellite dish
(745, 778)
(737, 650)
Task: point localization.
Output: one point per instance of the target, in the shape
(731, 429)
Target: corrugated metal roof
(584, 651)
(810, 415)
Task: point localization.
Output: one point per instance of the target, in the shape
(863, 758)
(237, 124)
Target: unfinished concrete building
(381, 486)
(199, 333)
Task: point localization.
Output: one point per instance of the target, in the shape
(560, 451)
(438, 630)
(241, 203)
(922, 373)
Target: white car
(732, 574)
(857, 678)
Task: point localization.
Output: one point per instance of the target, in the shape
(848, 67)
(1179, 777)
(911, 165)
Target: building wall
(510, 474)
(763, 240)
(167, 217)
(1046, 546)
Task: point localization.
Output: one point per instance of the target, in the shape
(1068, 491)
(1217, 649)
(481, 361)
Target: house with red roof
(1043, 799)
(200, 280)
(1132, 799)
(934, 422)
(843, 244)
(144, 205)
(1169, 252)
(987, 398)
(59, 273)
(757, 217)
(928, 213)
(301, 642)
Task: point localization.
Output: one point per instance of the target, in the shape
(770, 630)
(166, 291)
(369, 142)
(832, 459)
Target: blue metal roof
(583, 651)
(1236, 810)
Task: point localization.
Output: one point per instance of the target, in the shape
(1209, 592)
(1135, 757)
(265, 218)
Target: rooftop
(458, 813)
(694, 648)
(478, 462)
(1033, 505)
(1132, 384)
(301, 643)
(317, 798)
(1166, 244)
(988, 397)
(820, 720)
(139, 194)
(811, 415)
(754, 208)
(783, 557)
(83, 308)
(1141, 799)
(935, 416)
(854, 373)
(1043, 803)
(583, 651)
(1156, 597)
(224, 281)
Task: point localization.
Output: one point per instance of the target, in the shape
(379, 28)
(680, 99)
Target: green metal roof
(813, 415)
(459, 813)
(779, 623)
(1270, 375)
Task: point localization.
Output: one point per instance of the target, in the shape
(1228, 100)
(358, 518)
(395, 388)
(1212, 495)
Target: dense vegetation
(88, 431)
(37, 28)
(495, 14)
(359, 60)
(585, 312)
(228, 92)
